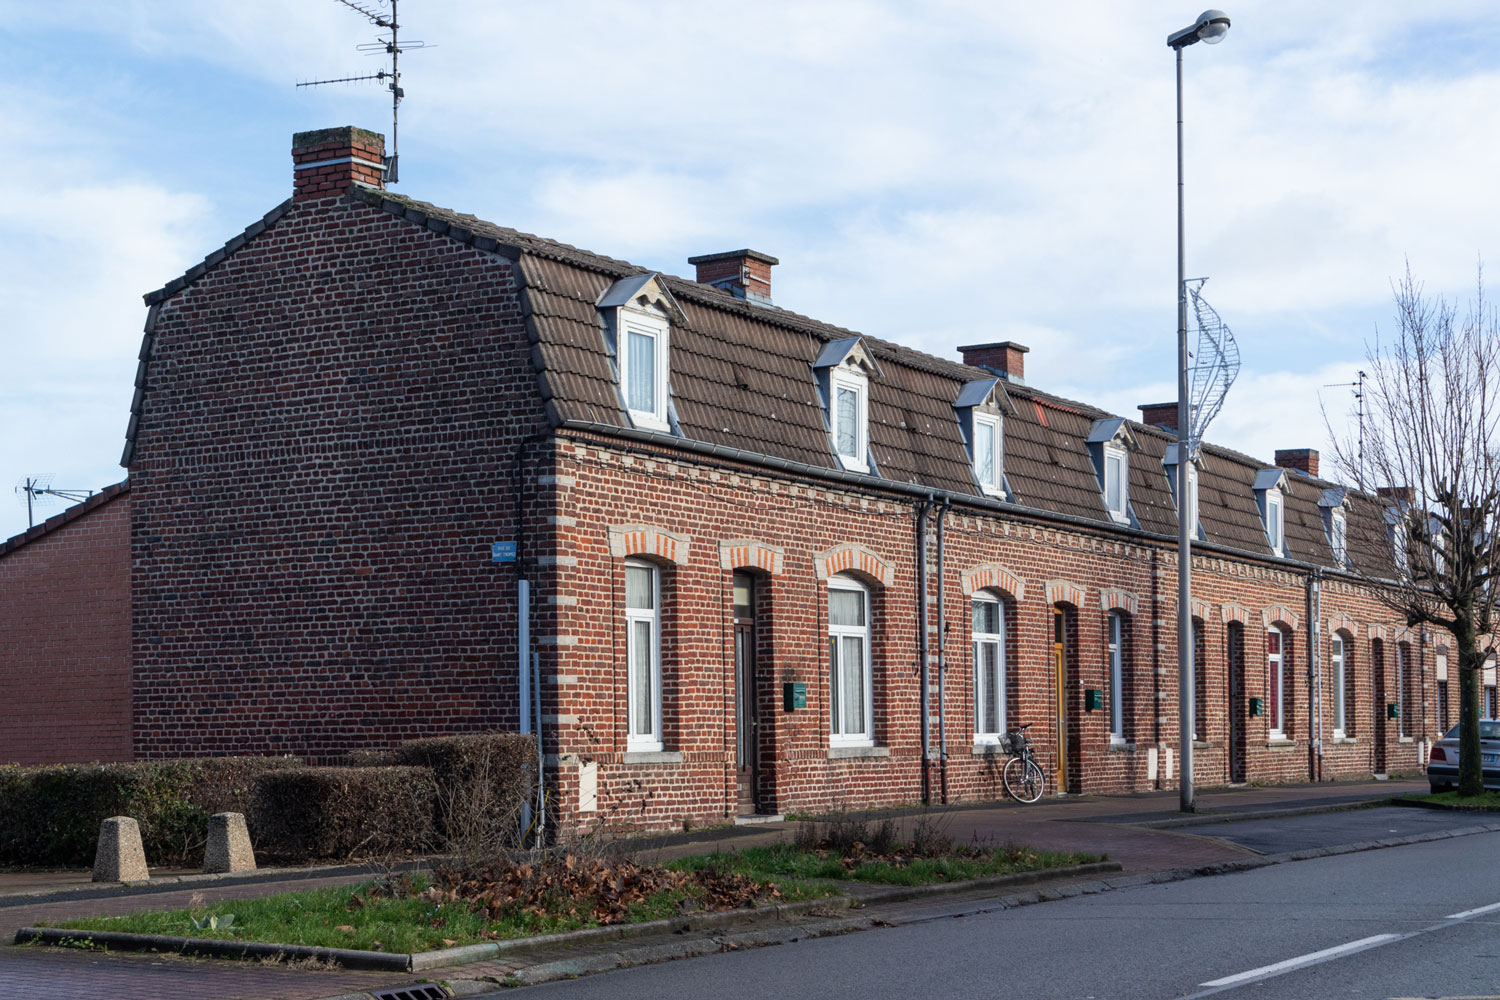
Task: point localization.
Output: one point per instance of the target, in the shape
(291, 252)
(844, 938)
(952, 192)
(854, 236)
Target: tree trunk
(1471, 666)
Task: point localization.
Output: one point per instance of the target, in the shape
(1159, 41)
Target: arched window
(1116, 642)
(849, 699)
(989, 667)
(643, 655)
(1336, 669)
(1276, 682)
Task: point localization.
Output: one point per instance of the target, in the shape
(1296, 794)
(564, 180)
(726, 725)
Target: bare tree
(1430, 440)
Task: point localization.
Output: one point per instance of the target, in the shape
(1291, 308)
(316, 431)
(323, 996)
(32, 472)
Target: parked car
(1442, 763)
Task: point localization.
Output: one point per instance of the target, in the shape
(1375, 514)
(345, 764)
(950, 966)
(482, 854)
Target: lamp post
(1210, 27)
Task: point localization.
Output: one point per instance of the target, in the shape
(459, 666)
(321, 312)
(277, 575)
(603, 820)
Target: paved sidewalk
(1144, 833)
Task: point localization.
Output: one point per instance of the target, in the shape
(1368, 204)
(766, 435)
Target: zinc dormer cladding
(741, 378)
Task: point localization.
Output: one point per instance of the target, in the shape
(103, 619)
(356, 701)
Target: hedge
(322, 813)
(482, 781)
(50, 815)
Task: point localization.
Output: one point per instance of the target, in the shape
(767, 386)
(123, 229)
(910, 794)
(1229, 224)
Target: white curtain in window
(847, 418)
(641, 376)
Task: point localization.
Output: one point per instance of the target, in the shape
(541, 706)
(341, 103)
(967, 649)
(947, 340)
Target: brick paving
(1129, 829)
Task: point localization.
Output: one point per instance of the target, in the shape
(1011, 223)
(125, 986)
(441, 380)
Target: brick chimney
(1402, 494)
(1006, 359)
(1162, 415)
(332, 160)
(745, 274)
(1301, 459)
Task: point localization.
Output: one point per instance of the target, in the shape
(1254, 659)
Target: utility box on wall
(1257, 706)
(793, 695)
(1093, 700)
(1392, 711)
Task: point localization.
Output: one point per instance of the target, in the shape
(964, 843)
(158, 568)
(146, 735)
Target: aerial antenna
(1212, 367)
(1358, 387)
(35, 492)
(391, 46)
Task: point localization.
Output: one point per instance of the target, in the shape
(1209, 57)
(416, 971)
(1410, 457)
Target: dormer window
(1109, 442)
(1169, 462)
(1274, 533)
(1269, 486)
(980, 407)
(637, 314)
(1335, 525)
(843, 370)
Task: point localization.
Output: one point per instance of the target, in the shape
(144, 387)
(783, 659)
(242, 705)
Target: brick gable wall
(324, 456)
(65, 635)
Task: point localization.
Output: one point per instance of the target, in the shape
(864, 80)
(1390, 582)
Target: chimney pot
(329, 161)
(1301, 459)
(1006, 359)
(1162, 415)
(745, 274)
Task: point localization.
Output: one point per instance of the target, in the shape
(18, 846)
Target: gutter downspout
(1315, 668)
(942, 636)
(528, 663)
(921, 531)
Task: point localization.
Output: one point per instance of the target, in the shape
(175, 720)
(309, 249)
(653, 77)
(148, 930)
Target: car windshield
(1489, 729)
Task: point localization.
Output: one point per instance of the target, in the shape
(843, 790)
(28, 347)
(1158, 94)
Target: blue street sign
(503, 552)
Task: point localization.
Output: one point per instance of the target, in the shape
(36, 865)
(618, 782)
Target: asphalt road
(1399, 922)
(1295, 833)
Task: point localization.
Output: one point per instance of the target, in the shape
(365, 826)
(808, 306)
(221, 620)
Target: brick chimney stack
(1163, 415)
(1301, 459)
(745, 274)
(1006, 359)
(1401, 494)
(332, 160)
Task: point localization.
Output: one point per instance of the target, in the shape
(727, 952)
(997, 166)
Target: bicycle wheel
(1023, 780)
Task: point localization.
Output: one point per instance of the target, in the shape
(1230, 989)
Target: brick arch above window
(1345, 624)
(1063, 592)
(1200, 610)
(1118, 600)
(1408, 636)
(1379, 632)
(644, 540)
(994, 577)
(1235, 613)
(747, 553)
(1279, 613)
(856, 559)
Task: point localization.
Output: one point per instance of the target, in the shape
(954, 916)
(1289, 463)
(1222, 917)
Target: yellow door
(1059, 661)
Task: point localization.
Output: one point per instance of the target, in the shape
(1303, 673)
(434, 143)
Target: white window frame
(1276, 663)
(1192, 504)
(1116, 650)
(1403, 724)
(648, 741)
(1338, 538)
(632, 321)
(1120, 456)
(983, 684)
(997, 452)
(1276, 537)
(836, 635)
(1336, 663)
(855, 381)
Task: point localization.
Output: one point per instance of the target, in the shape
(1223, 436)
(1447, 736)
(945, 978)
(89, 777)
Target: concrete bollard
(229, 847)
(120, 856)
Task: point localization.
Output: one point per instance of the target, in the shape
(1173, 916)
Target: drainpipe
(528, 666)
(921, 529)
(1315, 668)
(942, 637)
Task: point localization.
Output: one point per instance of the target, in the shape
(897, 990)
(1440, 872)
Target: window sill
(853, 464)
(1118, 745)
(987, 749)
(653, 757)
(1342, 741)
(1405, 739)
(1202, 744)
(850, 753)
(648, 422)
(1281, 743)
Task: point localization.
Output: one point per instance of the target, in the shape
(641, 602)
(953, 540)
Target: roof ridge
(213, 260)
(63, 517)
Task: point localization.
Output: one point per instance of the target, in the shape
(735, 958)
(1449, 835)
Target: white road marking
(1471, 913)
(1302, 960)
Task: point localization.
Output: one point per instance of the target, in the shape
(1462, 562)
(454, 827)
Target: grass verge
(783, 861)
(1451, 800)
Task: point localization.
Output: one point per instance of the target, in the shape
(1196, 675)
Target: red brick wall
(65, 640)
(324, 457)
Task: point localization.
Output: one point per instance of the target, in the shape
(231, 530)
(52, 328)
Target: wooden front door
(747, 717)
(1060, 670)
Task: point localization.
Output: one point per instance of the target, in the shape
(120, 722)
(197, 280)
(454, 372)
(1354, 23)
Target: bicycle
(1023, 776)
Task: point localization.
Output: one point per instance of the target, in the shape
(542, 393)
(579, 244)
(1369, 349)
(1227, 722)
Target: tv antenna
(37, 491)
(1213, 366)
(1358, 386)
(391, 46)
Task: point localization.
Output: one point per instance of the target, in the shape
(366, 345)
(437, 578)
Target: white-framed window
(1192, 504)
(643, 342)
(850, 708)
(1403, 724)
(1336, 668)
(1338, 537)
(1276, 682)
(1116, 483)
(1275, 533)
(989, 668)
(1116, 677)
(643, 655)
(988, 451)
(1440, 662)
(848, 417)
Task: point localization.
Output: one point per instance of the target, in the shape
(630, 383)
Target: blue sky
(936, 174)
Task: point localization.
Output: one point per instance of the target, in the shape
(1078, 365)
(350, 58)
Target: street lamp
(1210, 28)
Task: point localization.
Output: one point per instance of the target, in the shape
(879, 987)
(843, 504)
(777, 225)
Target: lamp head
(1210, 27)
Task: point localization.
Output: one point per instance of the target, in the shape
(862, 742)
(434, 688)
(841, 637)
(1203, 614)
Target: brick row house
(742, 538)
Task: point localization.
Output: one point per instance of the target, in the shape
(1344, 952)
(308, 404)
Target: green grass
(1488, 800)
(779, 862)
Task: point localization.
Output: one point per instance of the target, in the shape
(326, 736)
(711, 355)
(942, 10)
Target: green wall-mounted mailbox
(1093, 700)
(793, 695)
(1393, 711)
(1257, 706)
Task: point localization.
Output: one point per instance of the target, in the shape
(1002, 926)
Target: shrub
(334, 813)
(483, 779)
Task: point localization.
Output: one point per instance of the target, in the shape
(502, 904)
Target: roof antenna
(37, 491)
(1359, 403)
(392, 47)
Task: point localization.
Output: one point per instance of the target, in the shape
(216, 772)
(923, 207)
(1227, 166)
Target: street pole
(1185, 679)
